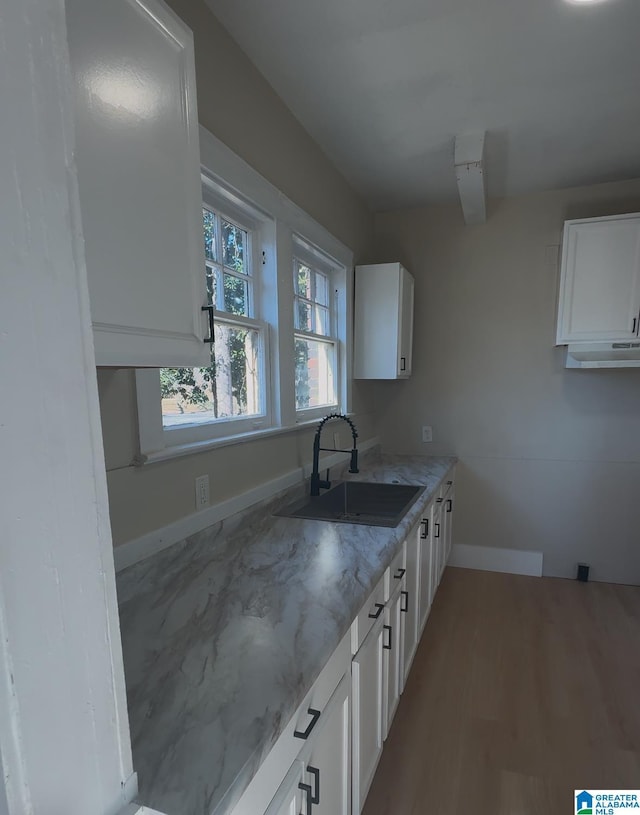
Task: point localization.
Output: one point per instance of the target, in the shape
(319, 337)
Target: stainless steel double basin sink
(357, 502)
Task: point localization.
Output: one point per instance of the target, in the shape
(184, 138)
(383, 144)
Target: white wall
(550, 458)
(64, 737)
(237, 105)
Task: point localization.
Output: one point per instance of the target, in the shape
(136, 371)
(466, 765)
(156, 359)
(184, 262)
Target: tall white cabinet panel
(383, 322)
(438, 544)
(393, 662)
(368, 711)
(328, 764)
(410, 605)
(138, 159)
(600, 280)
(427, 567)
(447, 516)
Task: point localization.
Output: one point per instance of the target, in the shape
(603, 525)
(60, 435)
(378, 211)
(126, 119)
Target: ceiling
(384, 86)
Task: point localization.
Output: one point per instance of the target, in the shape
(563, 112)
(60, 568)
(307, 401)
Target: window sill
(195, 447)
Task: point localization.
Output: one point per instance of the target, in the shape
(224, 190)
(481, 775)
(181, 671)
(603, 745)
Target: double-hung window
(274, 365)
(315, 332)
(229, 396)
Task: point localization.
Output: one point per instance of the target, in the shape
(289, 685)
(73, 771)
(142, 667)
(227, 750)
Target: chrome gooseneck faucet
(316, 482)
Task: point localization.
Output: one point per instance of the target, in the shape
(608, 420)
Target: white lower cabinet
(447, 514)
(329, 751)
(367, 676)
(319, 781)
(410, 602)
(438, 543)
(392, 657)
(427, 567)
(288, 799)
(326, 786)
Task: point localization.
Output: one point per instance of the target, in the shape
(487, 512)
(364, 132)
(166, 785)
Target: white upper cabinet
(383, 322)
(600, 280)
(138, 160)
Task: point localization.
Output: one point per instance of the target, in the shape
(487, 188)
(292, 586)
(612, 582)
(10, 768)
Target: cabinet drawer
(308, 718)
(370, 612)
(394, 574)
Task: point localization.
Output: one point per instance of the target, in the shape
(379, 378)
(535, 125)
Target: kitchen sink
(357, 502)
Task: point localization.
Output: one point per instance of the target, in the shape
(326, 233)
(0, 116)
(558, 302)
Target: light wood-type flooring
(522, 690)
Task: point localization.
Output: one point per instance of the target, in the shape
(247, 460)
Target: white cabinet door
(368, 724)
(326, 787)
(405, 352)
(383, 321)
(289, 799)
(600, 280)
(427, 567)
(138, 160)
(393, 661)
(438, 542)
(410, 604)
(447, 514)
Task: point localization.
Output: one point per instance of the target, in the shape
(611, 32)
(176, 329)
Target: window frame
(241, 216)
(240, 193)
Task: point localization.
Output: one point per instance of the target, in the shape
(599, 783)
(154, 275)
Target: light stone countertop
(224, 633)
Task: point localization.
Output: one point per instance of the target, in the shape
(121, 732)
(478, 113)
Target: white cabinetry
(600, 280)
(289, 799)
(438, 545)
(327, 775)
(383, 322)
(392, 647)
(138, 159)
(447, 516)
(319, 781)
(411, 601)
(368, 712)
(427, 566)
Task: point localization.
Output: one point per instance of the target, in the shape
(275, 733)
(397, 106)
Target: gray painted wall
(239, 107)
(550, 458)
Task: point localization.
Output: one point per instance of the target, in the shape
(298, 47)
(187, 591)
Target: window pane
(322, 321)
(315, 362)
(236, 298)
(186, 395)
(302, 279)
(302, 315)
(237, 367)
(230, 387)
(234, 242)
(322, 289)
(210, 223)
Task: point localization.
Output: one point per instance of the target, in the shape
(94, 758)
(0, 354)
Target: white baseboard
(492, 559)
(153, 542)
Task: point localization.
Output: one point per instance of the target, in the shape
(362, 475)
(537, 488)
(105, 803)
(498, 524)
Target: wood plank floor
(522, 690)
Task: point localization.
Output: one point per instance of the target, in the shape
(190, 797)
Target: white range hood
(603, 355)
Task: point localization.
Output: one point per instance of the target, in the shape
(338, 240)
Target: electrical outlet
(202, 492)
(427, 435)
